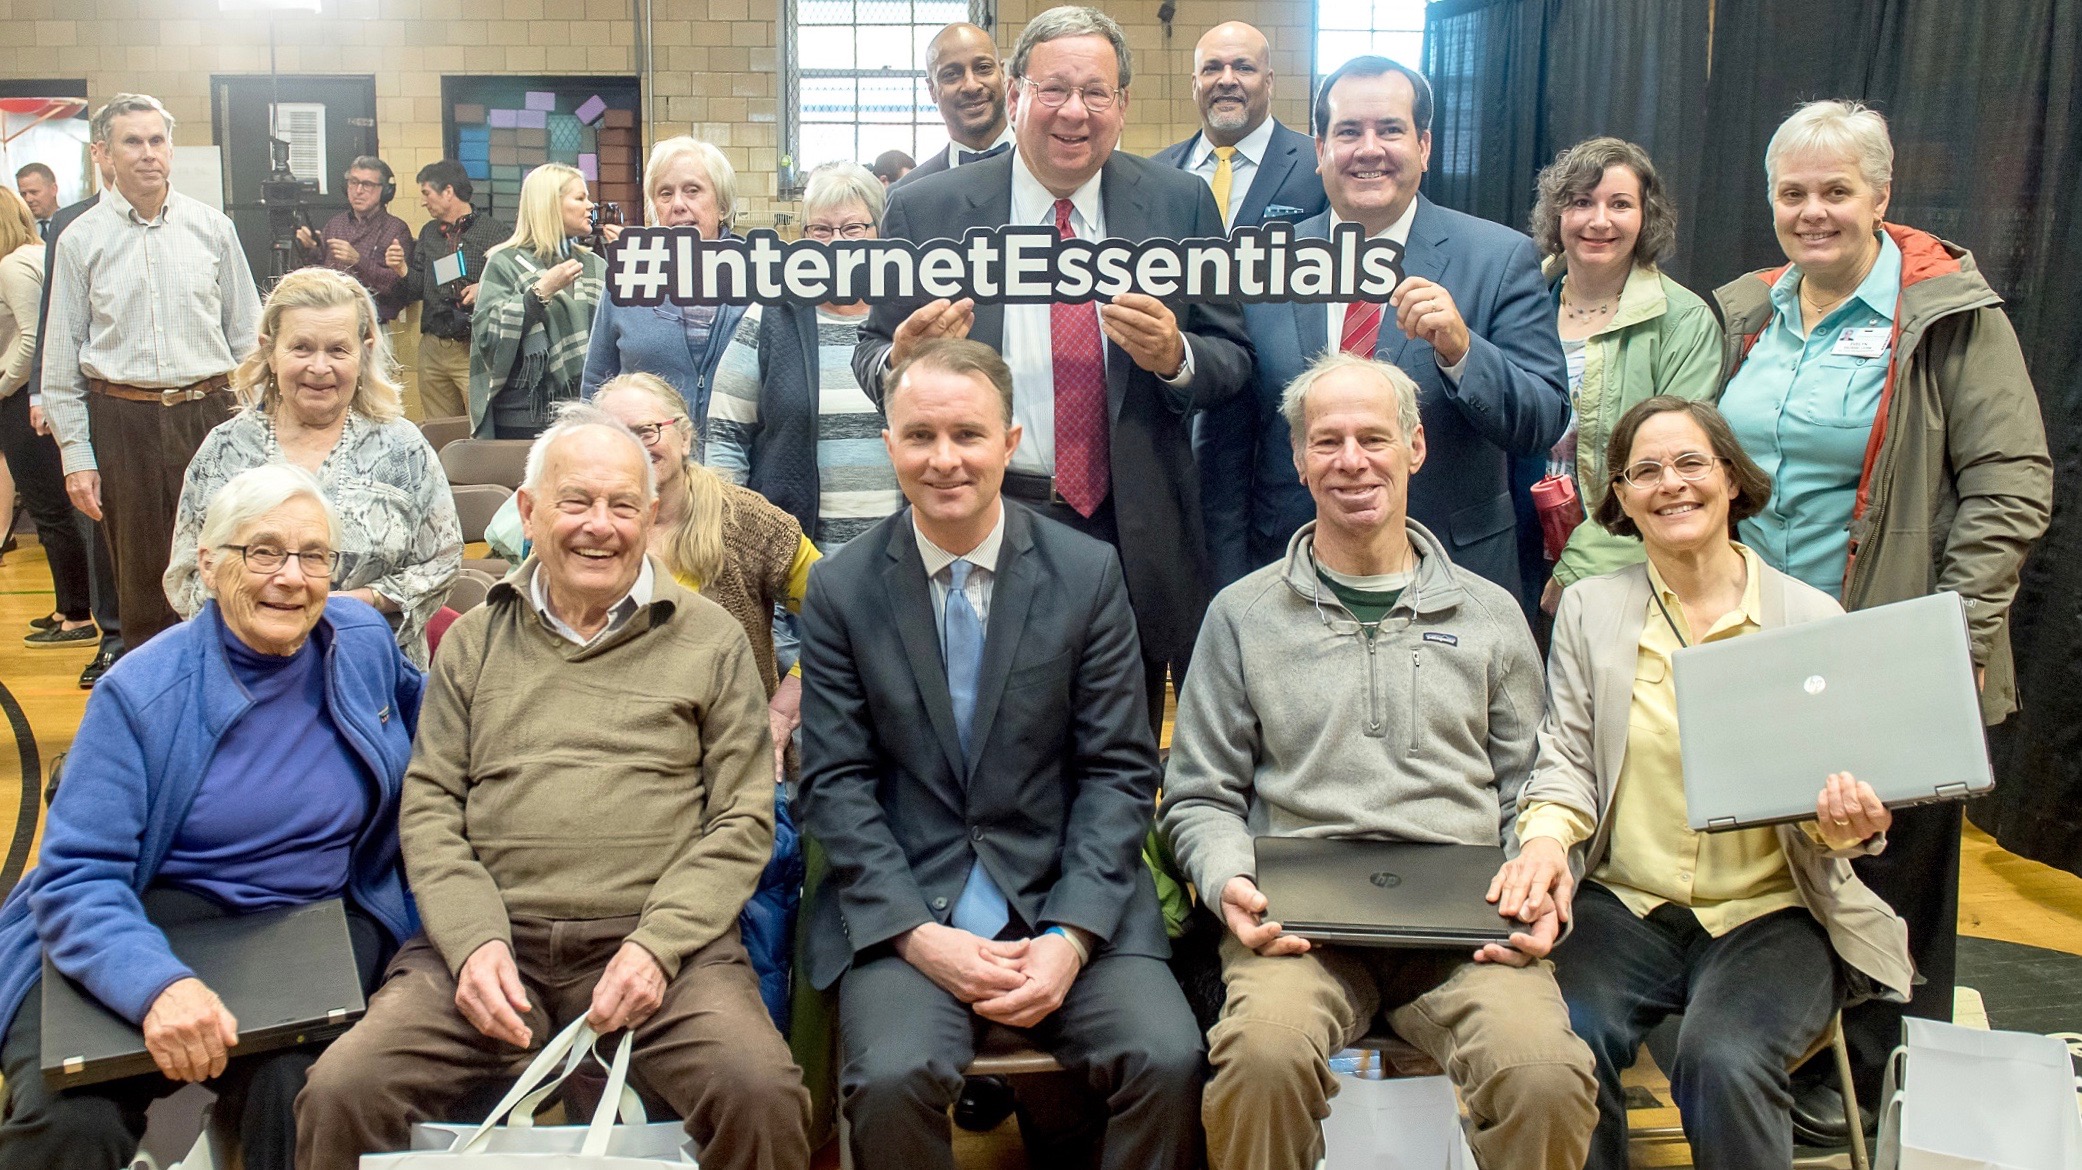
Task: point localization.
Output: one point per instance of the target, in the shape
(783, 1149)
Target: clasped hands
(1018, 983)
(1143, 326)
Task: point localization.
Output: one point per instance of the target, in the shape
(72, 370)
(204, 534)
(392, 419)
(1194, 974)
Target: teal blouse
(1803, 409)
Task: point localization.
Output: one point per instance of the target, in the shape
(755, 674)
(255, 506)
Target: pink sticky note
(530, 119)
(541, 100)
(589, 166)
(503, 119)
(592, 109)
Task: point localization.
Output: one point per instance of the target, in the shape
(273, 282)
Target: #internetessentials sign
(1014, 265)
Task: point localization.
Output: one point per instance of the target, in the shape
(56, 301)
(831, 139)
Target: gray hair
(834, 183)
(1846, 129)
(1294, 400)
(253, 493)
(721, 175)
(1070, 20)
(126, 103)
(577, 416)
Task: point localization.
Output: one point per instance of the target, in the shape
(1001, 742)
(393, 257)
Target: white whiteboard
(198, 172)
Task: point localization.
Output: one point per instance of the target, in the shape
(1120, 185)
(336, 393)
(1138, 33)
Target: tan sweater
(630, 777)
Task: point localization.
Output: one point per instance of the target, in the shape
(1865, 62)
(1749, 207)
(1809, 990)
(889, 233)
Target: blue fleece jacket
(151, 727)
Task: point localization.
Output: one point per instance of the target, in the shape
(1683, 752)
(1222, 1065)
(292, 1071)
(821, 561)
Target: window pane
(1349, 28)
(827, 48)
(889, 99)
(829, 99)
(823, 143)
(824, 11)
(887, 46)
(875, 139)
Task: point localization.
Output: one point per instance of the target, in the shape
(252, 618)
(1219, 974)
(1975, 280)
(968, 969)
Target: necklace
(1578, 311)
(1820, 307)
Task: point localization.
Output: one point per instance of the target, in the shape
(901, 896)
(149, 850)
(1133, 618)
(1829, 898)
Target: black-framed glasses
(363, 185)
(1097, 98)
(649, 433)
(266, 558)
(825, 233)
(1647, 475)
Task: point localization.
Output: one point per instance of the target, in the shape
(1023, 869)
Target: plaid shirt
(371, 236)
(157, 303)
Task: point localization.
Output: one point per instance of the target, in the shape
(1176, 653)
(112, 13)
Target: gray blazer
(1583, 743)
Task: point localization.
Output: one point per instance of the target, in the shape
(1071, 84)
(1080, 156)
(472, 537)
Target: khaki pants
(709, 1052)
(1501, 1033)
(444, 376)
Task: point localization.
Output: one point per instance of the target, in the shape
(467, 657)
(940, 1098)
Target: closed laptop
(1381, 893)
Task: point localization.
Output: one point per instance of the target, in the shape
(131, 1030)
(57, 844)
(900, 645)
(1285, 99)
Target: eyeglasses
(826, 233)
(1647, 475)
(1097, 98)
(266, 558)
(363, 185)
(649, 432)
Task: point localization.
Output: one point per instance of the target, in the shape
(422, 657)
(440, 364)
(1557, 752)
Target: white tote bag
(509, 1139)
(1964, 1099)
(1404, 1123)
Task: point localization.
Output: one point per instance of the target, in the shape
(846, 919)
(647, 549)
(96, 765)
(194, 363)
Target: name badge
(1868, 342)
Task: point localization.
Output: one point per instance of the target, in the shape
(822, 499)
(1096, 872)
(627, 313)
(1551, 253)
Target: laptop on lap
(1381, 893)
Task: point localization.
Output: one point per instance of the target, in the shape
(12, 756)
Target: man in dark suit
(964, 77)
(1258, 169)
(1471, 323)
(1107, 449)
(979, 769)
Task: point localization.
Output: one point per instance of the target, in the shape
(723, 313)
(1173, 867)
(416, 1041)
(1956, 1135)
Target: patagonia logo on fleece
(1442, 639)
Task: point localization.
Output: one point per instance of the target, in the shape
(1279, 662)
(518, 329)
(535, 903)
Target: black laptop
(288, 975)
(1381, 893)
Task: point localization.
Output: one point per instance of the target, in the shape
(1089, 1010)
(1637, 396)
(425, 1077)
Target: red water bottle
(1560, 510)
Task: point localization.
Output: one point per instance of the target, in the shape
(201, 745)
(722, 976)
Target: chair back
(476, 504)
(499, 461)
(440, 432)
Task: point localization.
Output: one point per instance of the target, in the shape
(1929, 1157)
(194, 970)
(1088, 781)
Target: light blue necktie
(981, 908)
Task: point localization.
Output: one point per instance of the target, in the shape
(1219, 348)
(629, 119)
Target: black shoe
(59, 636)
(95, 669)
(984, 1105)
(46, 622)
(1818, 1119)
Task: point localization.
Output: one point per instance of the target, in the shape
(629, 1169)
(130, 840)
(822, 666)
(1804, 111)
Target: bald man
(965, 78)
(1258, 169)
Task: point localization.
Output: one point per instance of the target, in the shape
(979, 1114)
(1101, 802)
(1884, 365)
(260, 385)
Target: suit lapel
(911, 606)
(990, 204)
(1422, 256)
(1272, 175)
(1311, 321)
(1010, 596)
(1118, 198)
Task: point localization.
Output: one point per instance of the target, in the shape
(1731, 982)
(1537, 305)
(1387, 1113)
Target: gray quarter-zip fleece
(1298, 721)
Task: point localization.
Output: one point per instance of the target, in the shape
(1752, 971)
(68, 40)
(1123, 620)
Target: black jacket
(445, 314)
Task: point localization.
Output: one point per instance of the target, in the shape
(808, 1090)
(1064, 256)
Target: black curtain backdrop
(1516, 81)
(1985, 105)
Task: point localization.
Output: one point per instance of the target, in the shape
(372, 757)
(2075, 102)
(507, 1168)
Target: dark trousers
(1918, 875)
(1156, 669)
(1754, 1001)
(1124, 1031)
(709, 1052)
(143, 449)
(98, 1127)
(72, 543)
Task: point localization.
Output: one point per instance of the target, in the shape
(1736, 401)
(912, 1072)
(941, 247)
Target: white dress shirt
(618, 615)
(1243, 165)
(954, 149)
(977, 588)
(1399, 231)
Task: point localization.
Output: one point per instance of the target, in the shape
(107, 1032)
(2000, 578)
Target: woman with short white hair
(535, 309)
(246, 760)
(788, 418)
(1876, 380)
(686, 183)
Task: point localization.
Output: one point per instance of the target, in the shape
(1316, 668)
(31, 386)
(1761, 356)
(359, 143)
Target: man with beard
(1258, 169)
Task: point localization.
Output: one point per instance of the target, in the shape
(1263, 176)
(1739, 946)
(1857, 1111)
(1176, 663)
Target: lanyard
(1682, 641)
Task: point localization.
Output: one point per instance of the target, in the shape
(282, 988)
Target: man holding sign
(1471, 323)
(1102, 391)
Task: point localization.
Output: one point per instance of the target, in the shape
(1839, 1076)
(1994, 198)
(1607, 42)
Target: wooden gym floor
(2002, 896)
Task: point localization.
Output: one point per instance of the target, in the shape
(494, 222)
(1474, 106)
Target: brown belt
(173, 397)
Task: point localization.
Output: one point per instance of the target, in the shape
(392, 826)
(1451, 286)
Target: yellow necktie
(1224, 175)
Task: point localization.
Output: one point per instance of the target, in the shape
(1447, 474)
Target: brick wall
(716, 62)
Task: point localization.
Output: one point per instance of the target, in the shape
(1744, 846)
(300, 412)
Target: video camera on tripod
(602, 214)
(283, 194)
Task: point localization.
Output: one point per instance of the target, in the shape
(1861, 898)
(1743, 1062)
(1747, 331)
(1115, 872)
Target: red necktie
(1083, 474)
(1362, 328)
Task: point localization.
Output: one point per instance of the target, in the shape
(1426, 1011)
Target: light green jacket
(1661, 340)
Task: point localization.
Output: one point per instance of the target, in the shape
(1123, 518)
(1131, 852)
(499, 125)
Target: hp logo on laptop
(1815, 684)
(1385, 880)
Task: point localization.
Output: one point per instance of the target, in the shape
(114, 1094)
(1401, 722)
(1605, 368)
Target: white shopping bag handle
(569, 1046)
(598, 1133)
(632, 1111)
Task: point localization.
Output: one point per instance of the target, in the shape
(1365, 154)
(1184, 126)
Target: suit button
(976, 833)
(939, 903)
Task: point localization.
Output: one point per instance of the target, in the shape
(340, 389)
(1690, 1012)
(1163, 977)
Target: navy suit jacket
(1512, 400)
(1057, 789)
(1285, 187)
(1155, 489)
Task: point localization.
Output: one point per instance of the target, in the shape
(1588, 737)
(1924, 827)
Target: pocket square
(1281, 211)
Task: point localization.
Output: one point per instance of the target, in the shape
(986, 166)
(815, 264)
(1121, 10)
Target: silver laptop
(1886, 694)
(1381, 893)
